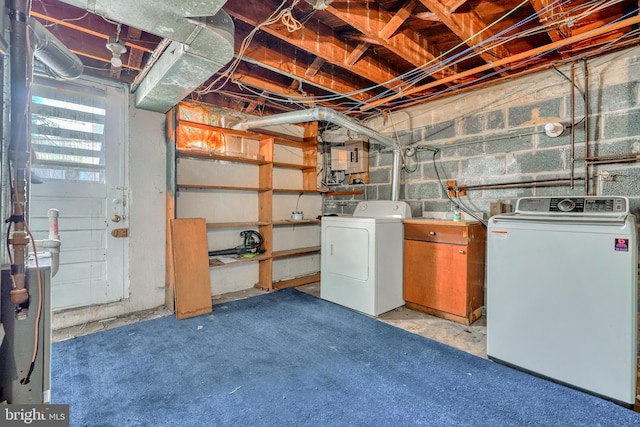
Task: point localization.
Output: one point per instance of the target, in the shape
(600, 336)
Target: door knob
(461, 252)
(116, 218)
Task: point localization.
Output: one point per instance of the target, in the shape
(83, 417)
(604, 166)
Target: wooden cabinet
(444, 268)
(240, 180)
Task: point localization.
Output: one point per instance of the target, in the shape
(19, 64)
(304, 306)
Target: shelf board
(291, 190)
(295, 252)
(220, 187)
(293, 166)
(292, 143)
(343, 193)
(236, 224)
(226, 131)
(204, 155)
(298, 281)
(300, 222)
(239, 260)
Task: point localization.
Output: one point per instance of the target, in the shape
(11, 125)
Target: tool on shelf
(251, 246)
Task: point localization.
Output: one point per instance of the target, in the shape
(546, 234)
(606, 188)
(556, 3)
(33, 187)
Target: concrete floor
(471, 339)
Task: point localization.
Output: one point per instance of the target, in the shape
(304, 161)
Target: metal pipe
(611, 156)
(63, 63)
(586, 125)
(573, 121)
(609, 162)
(557, 182)
(328, 115)
(21, 67)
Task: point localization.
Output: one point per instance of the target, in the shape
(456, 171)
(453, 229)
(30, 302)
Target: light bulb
(116, 61)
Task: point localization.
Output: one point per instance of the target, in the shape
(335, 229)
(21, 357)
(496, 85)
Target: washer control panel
(588, 205)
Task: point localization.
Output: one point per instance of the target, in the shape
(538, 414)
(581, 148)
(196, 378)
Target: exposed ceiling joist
(313, 37)
(359, 56)
(369, 18)
(470, 28)
(398, 19)
(518, 57)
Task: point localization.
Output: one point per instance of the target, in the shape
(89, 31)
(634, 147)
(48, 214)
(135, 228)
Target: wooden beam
(514, 58)
(545, 15)
(357, 53)
(235, 101)
(454, 5)
(97, 31)
(427, 16)
(250, 79)
(254, 104)
(398, 19)
(368, 17)
(314, 37)
(135, 55)
(470, 28)
(360, 38)
(284, 59)
(313, 69)
(253, 80)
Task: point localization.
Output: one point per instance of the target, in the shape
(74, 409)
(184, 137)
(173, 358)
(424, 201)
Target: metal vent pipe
(62, 63)
(331, 116)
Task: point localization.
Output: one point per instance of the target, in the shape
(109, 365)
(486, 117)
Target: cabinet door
(435, 276)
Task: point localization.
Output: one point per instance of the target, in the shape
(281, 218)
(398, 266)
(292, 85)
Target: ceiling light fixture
(319, 4)
(117, 48)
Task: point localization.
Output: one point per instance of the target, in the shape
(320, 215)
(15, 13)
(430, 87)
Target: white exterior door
(78, 143)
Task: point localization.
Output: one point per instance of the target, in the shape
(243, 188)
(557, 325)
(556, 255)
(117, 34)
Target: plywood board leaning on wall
(191, 267)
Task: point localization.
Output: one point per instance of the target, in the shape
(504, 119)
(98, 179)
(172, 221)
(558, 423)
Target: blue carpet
(290, 359)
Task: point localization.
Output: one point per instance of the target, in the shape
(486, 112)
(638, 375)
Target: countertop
(436, 221)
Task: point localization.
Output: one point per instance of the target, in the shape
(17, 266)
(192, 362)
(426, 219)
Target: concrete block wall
(496, 135)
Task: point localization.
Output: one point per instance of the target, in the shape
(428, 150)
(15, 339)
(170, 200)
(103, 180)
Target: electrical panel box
(352, 158)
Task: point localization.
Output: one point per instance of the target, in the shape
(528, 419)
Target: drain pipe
(329, 115)
(20, 68)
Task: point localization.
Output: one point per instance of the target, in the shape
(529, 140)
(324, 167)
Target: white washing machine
(562, 292)
(362, 257)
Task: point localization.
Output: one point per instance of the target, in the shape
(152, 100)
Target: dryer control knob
(566, 205)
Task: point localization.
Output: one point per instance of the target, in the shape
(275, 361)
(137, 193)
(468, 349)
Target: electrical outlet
(451, 187)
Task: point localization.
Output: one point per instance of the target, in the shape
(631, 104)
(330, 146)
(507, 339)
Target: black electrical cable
(417, 161)
(457, 203)
(575, 86)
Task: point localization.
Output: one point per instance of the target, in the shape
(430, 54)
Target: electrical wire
(406, 80)
(457, 204)
(417, 161)
(535, 16)
(36, 332)
(276, 16)
(417, 73)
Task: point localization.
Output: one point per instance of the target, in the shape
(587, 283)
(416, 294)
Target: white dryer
(362, 257)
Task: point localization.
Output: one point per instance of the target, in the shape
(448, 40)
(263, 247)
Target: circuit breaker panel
(351, 158)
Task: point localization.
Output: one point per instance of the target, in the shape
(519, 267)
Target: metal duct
(328, 115)
(202, 43)
(62, 63)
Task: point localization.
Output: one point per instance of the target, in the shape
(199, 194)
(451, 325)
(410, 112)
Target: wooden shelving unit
(295, 252)
(262, 153)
